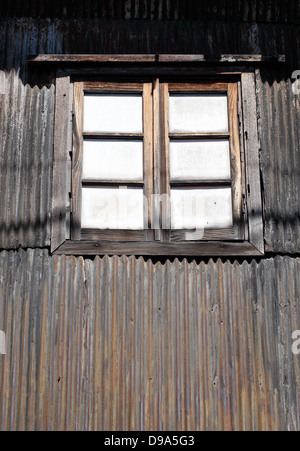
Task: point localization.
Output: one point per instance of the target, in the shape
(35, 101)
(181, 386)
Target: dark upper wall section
(275, 11)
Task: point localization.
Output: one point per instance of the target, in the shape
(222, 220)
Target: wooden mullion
(148, 157)
(153, 58)
(61, 163)
(235, 160)
(165, 163)
(188, 249)
(77, 160)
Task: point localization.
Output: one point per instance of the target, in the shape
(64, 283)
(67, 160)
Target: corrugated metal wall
(26, 118)
(123, 344)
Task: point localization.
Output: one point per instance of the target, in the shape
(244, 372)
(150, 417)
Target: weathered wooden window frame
(63, 242)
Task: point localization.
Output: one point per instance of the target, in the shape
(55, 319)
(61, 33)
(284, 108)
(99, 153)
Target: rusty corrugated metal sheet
(127, 344)
(239, 10)
(27, 105)
(25, 163)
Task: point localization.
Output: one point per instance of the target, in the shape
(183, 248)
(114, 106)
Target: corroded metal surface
(27, 106)
(127, 344)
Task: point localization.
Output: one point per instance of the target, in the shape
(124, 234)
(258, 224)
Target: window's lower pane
(201, 208)
(199, 160)
(112, 160)
(112, 208)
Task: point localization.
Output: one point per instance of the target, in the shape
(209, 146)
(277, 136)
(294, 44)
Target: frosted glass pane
(113, 113)
(198, 113)
(109, 160)
(112, 208)
(199, 160)
(201, 208)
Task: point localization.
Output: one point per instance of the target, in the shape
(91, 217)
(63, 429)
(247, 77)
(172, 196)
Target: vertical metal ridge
(124, 344)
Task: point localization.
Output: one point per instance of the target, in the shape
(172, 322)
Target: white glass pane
(198, 113)
(201, 208)
(199, 160)
(113, 113)
(112, 208)
(112, 160)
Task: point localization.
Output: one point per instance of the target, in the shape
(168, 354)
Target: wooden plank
(165, 162)
(99, 135)
(151, 58)
(190, 249)
(253, 192)
(156, 159)
(225, 58)
(60, 185)
(148, 156)
(77, 160)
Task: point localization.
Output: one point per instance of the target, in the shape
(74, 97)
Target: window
(157, 166)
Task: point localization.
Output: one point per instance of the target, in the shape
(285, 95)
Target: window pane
(199, 160)
(113, 113)
(201, 208)
(112, 160)
(198, 113)
(112, 208)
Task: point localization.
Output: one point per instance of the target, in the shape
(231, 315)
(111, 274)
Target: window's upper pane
(207, 208)
(112, 160)
(113, 113)
(198, 113)
(112, 208)
(199, 160)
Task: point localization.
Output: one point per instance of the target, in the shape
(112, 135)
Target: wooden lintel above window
(153, 58)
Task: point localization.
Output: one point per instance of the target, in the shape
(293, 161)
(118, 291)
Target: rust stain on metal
(119, 343)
